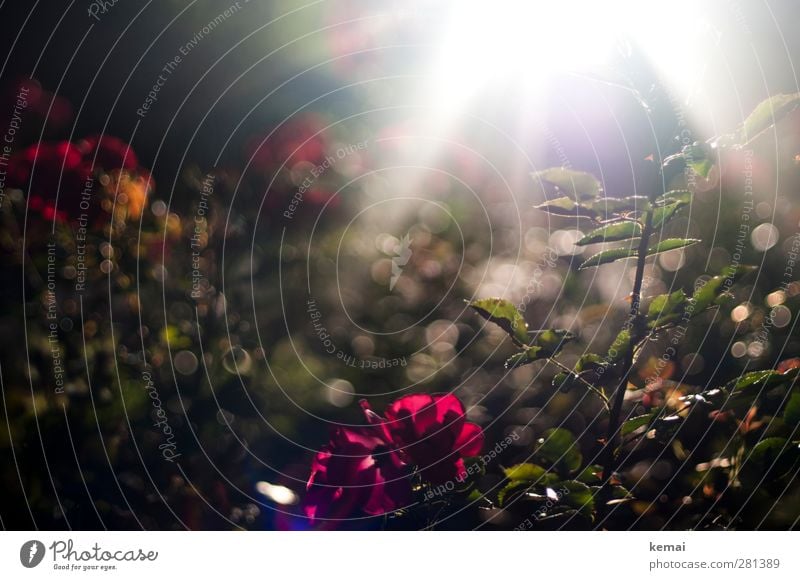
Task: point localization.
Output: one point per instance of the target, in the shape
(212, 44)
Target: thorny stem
(608, 454)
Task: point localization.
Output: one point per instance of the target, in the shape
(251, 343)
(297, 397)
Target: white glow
(523, 42)
(519, 40)
(277, 493)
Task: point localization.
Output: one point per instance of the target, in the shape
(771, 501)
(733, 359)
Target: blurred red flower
(59, 177)
(108, 153)
(298, 139)
(44, 170)
(31, 110)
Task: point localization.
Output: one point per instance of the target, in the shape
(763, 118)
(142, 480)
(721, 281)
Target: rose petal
(415, 411)
(470, 440)
(450, 412)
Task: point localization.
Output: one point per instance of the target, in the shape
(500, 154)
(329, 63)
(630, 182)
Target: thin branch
(608, 454)
(586, 383)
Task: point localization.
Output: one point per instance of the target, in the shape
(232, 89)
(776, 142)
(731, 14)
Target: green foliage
(616, 254)
(666, 308)
(698, 158)
(635, 423)
(608, 256)
(558, 448)
(546, 344)
(758, 409)
(578, 495)
(505, 315)
(708, 293)
(578, 185)
(759, 380)
(662, 215)
(612, 233)
(791, 415)
(767, 113)
(670, 244)
(599, 210)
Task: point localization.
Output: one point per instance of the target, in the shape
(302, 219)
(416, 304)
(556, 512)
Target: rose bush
(56, 175)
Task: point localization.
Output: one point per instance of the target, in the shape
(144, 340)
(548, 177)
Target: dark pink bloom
(356, 473)
(367, 470)
(431, 432)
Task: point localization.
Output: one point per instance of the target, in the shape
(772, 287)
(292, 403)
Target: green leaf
(610, 205)
(771, 459)
(670, 244)
(697, 157)
(599, 209)
(706, 295)
(663, 214)
(608, 256)
(552, 340)
(593, 474)
(620, 346)
(566, 206)
(665, 303)
(546, 344)
(565, 381)
(559, 448)
(791, 414)
(633, 424)
(768, 112)
(666, 308)
(681, 196)
(510, 488)
(759, 380)
(527, 356)
(524, 475)
(702, 167)
(577, 495)
(612, 233)
(525, 471)
(590, 361)
(578, 184)
(505, 315)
